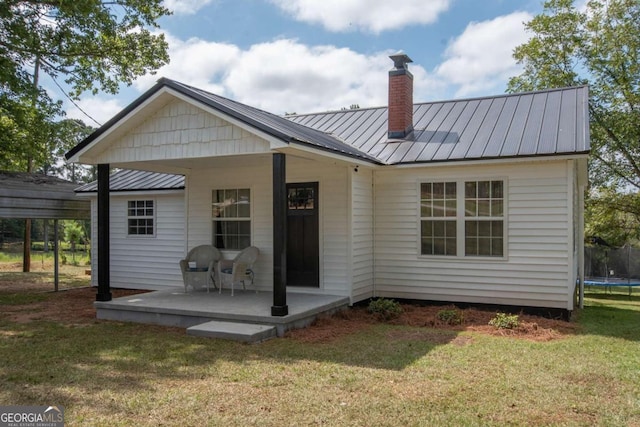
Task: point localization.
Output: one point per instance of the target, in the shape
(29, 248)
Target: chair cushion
(230, 271)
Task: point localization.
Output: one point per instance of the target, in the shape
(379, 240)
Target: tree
(616, 222)
(73, 234)
(67, 134)
(598, 46)
(93, 45)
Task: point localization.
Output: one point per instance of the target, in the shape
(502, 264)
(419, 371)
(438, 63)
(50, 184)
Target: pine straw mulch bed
(531, 327)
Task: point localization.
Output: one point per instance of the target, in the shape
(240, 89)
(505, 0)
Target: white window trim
(460, 220)
(154, 218)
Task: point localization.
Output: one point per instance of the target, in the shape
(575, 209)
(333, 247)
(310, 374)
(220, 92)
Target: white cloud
(480, 60)
(100, 109)
(284, 75)
(185, 7)
(196, 62)
(373, 16)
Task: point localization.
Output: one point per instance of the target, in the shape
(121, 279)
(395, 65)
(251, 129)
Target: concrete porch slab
(174, 307)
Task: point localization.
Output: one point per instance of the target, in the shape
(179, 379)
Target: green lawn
(108, 373)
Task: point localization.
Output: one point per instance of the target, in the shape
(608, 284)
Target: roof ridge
(443, 101)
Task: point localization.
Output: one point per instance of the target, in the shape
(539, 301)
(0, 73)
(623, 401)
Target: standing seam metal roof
(136, 180)
(272, 124)
(549, 122)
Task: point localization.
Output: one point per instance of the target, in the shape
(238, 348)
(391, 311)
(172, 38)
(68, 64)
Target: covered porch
(246, 316)
(220, 146)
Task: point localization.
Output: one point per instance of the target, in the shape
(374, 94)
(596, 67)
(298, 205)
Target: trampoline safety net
(604, 262)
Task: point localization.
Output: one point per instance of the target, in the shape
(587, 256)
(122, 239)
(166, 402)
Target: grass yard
(109, 373)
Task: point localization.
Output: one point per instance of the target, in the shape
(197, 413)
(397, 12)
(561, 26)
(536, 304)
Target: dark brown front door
(302, 235)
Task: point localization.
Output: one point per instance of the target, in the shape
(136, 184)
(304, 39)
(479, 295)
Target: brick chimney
(400, 97)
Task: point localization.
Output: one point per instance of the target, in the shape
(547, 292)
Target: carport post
(56, 275)
(104, 285)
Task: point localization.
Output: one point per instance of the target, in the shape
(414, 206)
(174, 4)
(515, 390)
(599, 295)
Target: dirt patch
(73, 306)
(534, 328)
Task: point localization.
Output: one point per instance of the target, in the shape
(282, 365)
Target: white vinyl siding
(533, 272)
(333, 221)
(149, 262)
(255, 173)
(234, 173)
(362, 234)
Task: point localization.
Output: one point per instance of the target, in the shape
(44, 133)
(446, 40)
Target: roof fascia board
(152, 166)
(156, 192)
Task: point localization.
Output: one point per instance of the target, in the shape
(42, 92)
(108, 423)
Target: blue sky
(317, 55)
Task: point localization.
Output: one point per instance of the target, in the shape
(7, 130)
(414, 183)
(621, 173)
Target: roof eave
(497, 159)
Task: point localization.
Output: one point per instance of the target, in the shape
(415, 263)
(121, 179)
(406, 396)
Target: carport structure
(37, 196)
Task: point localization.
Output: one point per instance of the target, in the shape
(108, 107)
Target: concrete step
(244, 332)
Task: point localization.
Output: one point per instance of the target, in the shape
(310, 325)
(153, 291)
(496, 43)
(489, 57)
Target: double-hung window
(140, 218)
(438, 210)
(231, 215)
(484, 222)
(462, 218)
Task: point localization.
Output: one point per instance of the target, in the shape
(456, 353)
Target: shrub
(450, 316)
(505, 321)
(385, 309)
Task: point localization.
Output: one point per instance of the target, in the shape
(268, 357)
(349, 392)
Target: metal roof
(272, 124)
(135, 180)
(31, 195)
(276, 126)
(549, 122)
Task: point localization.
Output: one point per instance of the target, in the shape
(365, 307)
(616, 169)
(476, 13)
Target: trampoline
(612, 267)
(610, 282)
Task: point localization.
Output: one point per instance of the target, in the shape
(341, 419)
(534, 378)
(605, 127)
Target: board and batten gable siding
(256, 174)
(143, 262)
(180, 130)
(361, 234)
(535, 269)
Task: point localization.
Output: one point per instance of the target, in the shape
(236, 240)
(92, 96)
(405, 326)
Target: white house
(476, 200)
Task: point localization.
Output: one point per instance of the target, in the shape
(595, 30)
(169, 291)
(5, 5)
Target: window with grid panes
(462, 218)
(484, 218)
(438, 210)
(231, 215)
(140, 218)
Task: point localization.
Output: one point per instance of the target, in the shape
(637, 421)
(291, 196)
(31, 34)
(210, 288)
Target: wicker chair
(206, 258)
(239, 269)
